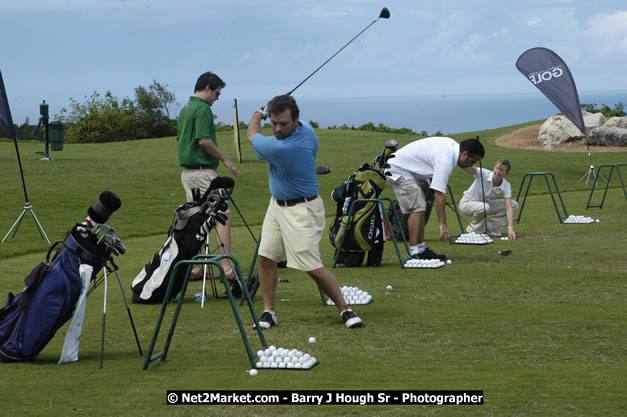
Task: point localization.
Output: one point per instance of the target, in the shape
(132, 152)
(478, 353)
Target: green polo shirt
(196, 122)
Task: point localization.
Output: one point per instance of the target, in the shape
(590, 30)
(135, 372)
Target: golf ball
(312, 340)
(252, 372)
(448, 262)
(389, 287)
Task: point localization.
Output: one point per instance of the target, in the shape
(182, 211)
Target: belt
(290, 203)
(199, 167)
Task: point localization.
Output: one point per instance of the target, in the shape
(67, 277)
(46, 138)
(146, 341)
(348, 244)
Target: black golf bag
(365, 233)
(192, 223)
(30, 319)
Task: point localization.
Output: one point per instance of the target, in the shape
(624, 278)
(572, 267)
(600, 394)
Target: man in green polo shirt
(199, 154)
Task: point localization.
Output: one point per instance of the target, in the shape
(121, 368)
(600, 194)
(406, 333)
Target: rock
(592, 120)
(608, 136)
(616, 122)
(558, 129)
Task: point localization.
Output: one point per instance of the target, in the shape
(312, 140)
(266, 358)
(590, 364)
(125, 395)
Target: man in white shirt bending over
(425, 165)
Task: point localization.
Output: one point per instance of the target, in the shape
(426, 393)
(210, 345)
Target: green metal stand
(204, 259)
(379, 200)
(530, 176)
(597, 173)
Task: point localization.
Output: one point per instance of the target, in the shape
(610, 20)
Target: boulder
(559, 129)
(616, 122)
(592, 120)
(608, 136)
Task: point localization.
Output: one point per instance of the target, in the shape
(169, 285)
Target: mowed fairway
(542, 332)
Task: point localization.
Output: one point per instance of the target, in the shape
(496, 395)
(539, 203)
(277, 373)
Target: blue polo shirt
(292, 162)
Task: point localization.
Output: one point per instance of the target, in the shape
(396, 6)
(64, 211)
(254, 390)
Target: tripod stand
(592, 171)
(27, 205)
(27, 208)
(111, 266)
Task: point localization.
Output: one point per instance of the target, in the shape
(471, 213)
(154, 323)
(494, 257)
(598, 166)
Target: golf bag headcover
(30, 319)
(365, 231)
(106, 204)
(192, 223)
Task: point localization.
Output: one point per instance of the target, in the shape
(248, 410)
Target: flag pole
(5, 116)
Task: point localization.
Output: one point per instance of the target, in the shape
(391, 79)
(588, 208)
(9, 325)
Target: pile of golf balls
(474, 239)
(424, 263)
(579, 219)
(353, 295)
(282, 358)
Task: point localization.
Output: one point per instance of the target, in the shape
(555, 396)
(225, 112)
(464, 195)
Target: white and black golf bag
(192, 223)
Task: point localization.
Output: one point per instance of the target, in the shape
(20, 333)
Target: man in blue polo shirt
(295, 220)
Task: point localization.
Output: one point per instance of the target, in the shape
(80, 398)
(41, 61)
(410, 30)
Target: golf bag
(192, 223)
(365, 233)
(30, 319)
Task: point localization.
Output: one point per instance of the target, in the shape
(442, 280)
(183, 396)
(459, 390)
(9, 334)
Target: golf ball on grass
(312, 340)
(389, 287)
(353, 295)
(252, 372)
(285, 358)
(448, 262)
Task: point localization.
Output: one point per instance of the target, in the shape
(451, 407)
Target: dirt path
(527, 138)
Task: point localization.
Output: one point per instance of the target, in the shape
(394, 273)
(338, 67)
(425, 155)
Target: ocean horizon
(447, 113)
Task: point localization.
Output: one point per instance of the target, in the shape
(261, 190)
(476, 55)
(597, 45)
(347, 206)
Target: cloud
(533, 20)
(501, 32)
(610, 30)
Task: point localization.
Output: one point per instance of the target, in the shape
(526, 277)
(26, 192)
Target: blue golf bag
(30, 319)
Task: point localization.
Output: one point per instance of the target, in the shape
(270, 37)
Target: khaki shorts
(294, 233)
(197, 178)
(410, 194)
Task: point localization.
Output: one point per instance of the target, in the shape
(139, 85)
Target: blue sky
(57, 50)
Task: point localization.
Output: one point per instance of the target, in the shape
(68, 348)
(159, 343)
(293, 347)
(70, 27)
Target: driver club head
(505, 252)
(385, 13)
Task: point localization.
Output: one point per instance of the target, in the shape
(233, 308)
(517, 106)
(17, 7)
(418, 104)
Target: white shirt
(429, 158)
(475, 192)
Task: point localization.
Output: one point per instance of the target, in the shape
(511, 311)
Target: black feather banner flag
(549, 73)
(5, 113)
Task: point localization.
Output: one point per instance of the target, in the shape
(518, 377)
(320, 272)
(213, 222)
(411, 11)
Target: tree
(108, 119)
(99, 119)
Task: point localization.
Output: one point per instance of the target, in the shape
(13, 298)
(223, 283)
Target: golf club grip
(218, 182)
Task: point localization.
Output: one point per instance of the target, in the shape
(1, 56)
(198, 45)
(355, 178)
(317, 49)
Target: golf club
(385, 14)
(504, 252)
(485, 213)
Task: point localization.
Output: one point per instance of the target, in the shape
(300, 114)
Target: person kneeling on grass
(294, 221)
(478, 197)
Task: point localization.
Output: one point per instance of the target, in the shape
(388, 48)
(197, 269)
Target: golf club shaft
(340, 50)
(485, 214)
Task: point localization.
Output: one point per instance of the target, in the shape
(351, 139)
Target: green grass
(542, 331)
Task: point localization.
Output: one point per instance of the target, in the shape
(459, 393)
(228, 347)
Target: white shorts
(294, 233)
